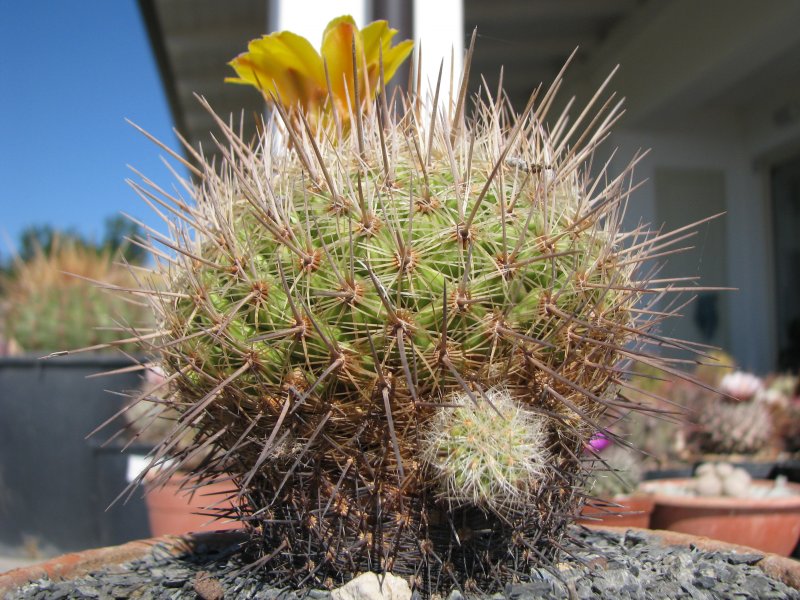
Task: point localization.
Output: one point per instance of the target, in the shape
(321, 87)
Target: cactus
(786, 419)
(487, 458)
(617, 473)
(721, 479)
(740, 386)
(400, 334)
(714, 367)
(728, 418)
(725, 427)
(782, 396)
(51, 303)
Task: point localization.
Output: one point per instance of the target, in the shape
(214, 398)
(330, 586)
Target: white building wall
(308, 18)
(747, 224)
(705, 83)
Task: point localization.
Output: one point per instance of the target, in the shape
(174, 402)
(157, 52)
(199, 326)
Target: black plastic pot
(757, 470)
(790, 469)
(668, 473)
(55, 485)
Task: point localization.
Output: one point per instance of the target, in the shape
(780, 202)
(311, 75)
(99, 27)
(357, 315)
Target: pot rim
(621, 501)
(77, 564)
(742, 504)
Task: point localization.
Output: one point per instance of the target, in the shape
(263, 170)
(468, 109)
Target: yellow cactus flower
(287, 69)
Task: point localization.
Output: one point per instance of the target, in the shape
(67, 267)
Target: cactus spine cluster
(398, 336)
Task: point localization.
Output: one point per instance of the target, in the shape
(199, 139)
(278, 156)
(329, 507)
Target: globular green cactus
(399, 330)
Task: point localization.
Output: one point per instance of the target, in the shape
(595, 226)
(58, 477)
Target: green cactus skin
(334, 296)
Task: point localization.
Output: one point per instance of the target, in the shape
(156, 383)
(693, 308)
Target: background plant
(657, 434)
(782, 395)
(51, 299)
(731, 418)
(617, 472)
(115, 241)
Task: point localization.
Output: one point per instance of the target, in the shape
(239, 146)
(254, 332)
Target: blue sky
(71, 73)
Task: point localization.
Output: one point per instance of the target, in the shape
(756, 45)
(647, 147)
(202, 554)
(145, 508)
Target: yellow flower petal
(285, 65)
(337, 53)
(374, 36)
(287, 69)
(394, 57)
(377, 40)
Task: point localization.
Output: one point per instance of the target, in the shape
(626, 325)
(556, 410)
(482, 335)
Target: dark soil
(604, 565)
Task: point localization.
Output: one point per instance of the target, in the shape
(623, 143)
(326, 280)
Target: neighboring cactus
(782, 396)
(721, 479)
(728, 415)
(787, 423)
(354, 316)
(740, 386)
(617, 472)
(782, 388)
(714, 367)
(50, 304)
(660, 438)
(733, 421)
(732, 428)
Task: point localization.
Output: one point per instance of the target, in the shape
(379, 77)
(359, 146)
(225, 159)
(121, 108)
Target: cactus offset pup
(398, 328)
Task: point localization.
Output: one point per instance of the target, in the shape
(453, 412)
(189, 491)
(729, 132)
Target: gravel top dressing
(614, 566)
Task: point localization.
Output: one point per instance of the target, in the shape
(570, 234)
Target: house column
(308, 18)
(439, 27)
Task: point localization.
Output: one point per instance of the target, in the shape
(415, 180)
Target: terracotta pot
(71, 566)
(175, 511)
(768, 524)
(620, 511)
(78, 564)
